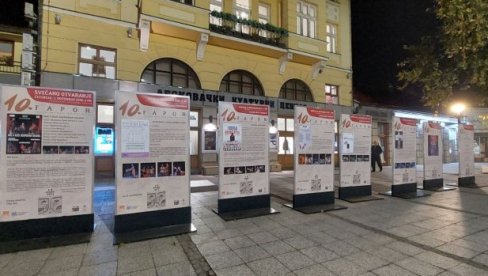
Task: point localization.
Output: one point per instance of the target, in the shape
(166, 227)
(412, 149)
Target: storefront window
(171, 72)
(95, 61)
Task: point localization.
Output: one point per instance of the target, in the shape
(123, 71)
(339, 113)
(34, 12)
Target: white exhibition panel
(243, 150)
(152, 156)
(466, 150)
(46, 165)
(314, 150)
(432, 150)
(355, 150)
(404, 151)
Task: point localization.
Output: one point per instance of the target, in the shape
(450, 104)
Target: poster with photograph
(243, 150)
(314, 150)
(152, 156)
(46, 162)
(466, 150)
(274, 141)
(355, 150)
(405, 150)
(432, 150)
(209, 138)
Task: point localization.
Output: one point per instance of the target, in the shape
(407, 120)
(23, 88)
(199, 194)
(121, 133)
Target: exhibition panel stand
(314, 161)
(466, 156)
(433, 165)
(355, 158)
(152, 166)
(46, 167)
(404, 136)
(243, 161)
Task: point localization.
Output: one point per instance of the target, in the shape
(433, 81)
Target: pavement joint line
(405, 240)
(190, 249)
(449, 208)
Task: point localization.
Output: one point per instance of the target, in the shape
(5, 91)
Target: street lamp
(458, 108)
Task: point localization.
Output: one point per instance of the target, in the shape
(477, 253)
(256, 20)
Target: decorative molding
(318, 68)
(284, 60)
(202, 43)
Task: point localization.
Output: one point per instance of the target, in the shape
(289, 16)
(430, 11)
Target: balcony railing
(10, 67)
(229, 24)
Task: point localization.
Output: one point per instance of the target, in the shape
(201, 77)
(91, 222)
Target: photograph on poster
(246, 187)
(433, 145)
(50, 149)
(348, 143)
(210, 140)
(232, 137)
(356, 178)
(352, 158)
(399, 139)
(82, 150)
(261, 168)
(165, 169)
(178, 168)
(321, 159)
(130, 170)
(302, 159)
(148, 170)
(240, 170)
(328, 159)
(273, 142)
(66, 149)
(345, 158)
(24, 134)
(250, 169)
(229, 170)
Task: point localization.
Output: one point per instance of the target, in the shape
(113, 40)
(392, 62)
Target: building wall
(175, 32)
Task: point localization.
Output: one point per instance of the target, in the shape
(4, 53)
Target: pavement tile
(458, 250)
(104, 269)
(34, 255)
(22, 268)
(60, 264)
(66, 251)
(251, 253)
(341, 248)
(131, 264)
(268, 266)
(177, 269)
(314, 270)
(465, 269)
(426, 240)
(145, 272)
(203, 238)
(295, 260)
(300, 242)
(388, 254)
(437, 260)
(277, 247)
(134, 250)
(405, 248)
(99, 257)
(392, 270)
(367, 260)
(224, 259)
(169, 256)
(239, 242)
(419, 267)
(482, 259)
(239, 270)
(344, 267)
(70, 272)
(213, 247)
(262, 237)
(163, 244)
(5, 259)
(319, 254)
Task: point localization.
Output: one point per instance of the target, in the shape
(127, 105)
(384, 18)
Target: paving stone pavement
(444, 234)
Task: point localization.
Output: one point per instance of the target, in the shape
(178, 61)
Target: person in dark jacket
(376, 151)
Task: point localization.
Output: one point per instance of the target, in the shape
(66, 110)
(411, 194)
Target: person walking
(376, 152)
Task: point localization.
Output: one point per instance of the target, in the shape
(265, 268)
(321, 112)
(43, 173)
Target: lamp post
(458, 109)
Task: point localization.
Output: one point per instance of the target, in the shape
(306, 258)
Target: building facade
(275, 52)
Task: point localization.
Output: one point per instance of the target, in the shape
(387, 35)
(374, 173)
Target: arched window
(171, 72)
(296, 90)
(241, 82)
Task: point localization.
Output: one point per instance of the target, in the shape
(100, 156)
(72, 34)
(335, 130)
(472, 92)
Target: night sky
(380, 28)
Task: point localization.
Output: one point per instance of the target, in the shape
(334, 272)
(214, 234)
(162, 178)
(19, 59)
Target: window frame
(229, 82)
(184, 2)
(285, 91)
(264, 19)
(236, 9)
(96, 62)
(301, 17)
(12, 52)
(189, 74)
(331, 94)
(331, 30)
(219, 6)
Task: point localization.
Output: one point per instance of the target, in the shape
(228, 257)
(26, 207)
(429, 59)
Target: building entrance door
(286, 142)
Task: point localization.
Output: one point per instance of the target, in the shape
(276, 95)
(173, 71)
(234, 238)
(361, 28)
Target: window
(296, 90)
(242, 10)
(306, 19)
(186, 2)
(95, 61)
(241, 82)
(170, 72)
(331, 94)
(264, 17)
(6, 52)
(105, 114)
(286, 126)
(216, 5)
(331, 38)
